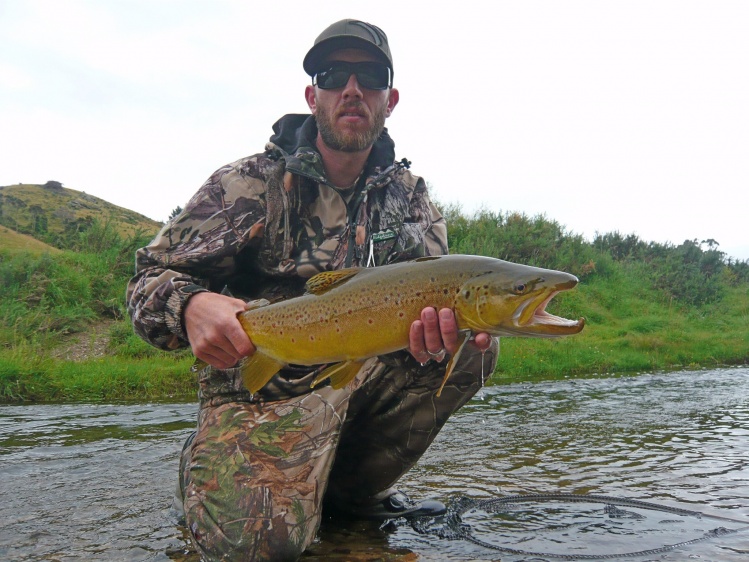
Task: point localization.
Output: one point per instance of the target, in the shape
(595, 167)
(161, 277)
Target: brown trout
(350, 315)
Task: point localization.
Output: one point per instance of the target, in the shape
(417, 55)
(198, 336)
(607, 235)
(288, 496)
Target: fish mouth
(533, 318)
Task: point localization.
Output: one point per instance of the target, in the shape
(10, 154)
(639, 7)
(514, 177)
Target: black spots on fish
(445, 291)
(370, 321)
(311, 338)
(401, 314)
(467, 293)
(432, 279)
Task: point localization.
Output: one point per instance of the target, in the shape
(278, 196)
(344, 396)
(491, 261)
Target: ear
(309, 95)
(392, 101)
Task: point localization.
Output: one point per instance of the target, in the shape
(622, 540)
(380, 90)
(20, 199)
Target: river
(94, 481)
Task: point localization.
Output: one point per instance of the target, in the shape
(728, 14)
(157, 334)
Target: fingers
(417, 347)
(483, 341)
(214, 333)
(433, 335)
(436, 334)
(448, 331)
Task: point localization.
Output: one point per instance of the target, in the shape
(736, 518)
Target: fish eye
(519, 289)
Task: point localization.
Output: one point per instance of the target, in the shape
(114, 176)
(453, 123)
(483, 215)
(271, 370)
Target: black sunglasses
(370, 75)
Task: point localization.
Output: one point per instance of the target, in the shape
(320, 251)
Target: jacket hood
(295, 135)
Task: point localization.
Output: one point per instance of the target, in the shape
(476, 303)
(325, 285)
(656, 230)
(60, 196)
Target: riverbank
(626, 332)
(64, 333)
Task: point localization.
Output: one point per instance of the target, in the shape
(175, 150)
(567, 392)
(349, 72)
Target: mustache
(353, 107)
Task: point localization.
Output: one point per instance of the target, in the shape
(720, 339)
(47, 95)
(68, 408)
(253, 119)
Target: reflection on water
(94, 482)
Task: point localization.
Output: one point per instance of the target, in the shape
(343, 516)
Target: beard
(347, 140)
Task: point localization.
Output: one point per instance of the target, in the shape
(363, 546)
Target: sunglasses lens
(332, 78)
(370, 75)
(375, 77)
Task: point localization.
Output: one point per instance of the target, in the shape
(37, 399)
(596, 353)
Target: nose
(352, 88)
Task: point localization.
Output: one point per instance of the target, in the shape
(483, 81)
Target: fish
(349, 315)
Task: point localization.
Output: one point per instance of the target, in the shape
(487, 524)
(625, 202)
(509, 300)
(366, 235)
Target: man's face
(350, 118)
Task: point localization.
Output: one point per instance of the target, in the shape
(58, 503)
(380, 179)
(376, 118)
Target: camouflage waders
(256, 474)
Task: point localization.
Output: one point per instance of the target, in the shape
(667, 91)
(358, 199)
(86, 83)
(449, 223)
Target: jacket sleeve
(193, 253)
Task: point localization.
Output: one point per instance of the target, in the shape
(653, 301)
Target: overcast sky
(629, 116)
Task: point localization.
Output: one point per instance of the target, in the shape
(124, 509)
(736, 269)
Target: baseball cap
(348, 34)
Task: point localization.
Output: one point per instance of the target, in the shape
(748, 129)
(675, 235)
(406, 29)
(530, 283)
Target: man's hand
(436, 334)
(214, 332)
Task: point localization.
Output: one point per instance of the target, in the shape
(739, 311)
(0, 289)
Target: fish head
(511, 299)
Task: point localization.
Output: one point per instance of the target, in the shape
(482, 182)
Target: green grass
(56, 309)
(25, 378)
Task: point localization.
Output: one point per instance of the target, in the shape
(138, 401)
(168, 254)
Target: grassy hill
(15, 241)
(53, 213)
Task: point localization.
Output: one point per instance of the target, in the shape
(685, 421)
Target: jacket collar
(294, 137)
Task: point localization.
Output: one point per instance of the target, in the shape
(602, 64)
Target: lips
(355, 112)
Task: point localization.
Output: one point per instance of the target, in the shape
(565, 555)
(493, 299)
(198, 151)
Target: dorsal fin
(325, 281)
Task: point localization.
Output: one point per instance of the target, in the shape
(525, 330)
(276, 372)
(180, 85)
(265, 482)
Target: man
(326, 193)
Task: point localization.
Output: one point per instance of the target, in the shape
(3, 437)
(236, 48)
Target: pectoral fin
(198, 366)
(257, 370)
(453, 361)
(340, 374)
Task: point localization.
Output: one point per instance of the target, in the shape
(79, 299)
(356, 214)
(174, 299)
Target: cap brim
(320, 52)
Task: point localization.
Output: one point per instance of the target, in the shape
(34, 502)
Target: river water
(94, 481)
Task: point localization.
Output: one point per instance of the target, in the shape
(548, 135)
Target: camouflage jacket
(261, 226)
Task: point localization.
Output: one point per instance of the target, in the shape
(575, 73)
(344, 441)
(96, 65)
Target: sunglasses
(370, 75)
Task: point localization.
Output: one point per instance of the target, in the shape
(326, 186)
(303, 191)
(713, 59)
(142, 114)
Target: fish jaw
(539, 323)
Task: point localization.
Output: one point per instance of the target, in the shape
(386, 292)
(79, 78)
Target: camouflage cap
(348, 34)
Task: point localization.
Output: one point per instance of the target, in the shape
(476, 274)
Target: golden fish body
(350, 315)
